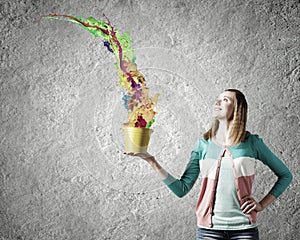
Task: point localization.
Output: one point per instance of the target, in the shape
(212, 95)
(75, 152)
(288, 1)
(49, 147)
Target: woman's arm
(284, 178)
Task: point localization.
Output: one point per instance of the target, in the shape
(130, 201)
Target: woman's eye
(225, 99)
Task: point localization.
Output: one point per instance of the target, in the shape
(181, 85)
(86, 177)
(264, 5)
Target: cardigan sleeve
(284, 176)
(180, 187)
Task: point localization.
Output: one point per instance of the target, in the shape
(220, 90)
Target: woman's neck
(222, 136)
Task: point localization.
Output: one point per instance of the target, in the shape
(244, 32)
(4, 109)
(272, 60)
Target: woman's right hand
(146, 156)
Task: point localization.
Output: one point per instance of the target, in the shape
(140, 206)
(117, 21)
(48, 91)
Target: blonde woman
(225, 158)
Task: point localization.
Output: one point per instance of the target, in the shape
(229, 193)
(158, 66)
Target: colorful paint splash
(137, 102)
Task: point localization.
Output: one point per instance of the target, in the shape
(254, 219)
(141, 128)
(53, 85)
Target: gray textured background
(63, 172)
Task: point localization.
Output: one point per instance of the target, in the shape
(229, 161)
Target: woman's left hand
(251, 205)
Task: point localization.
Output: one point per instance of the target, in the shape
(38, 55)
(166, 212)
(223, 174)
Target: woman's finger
(141, 155)
(249, 199)
(251, 209)
(245, 204)
(129, 153)
(248, 206)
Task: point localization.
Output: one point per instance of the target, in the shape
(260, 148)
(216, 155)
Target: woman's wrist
(163, 174)
(154, 164)
(267, 200)
(151, 160)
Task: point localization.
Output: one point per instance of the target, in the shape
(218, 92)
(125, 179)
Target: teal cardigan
(205, 160)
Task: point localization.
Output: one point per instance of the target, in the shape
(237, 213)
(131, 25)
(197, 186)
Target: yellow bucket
(136, 139)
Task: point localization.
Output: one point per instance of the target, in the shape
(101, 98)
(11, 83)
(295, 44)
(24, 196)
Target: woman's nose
(218, 102)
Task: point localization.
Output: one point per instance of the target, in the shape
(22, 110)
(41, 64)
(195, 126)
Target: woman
(225, 157)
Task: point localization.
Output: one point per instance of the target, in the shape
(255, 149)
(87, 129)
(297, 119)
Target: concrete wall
(63, 171)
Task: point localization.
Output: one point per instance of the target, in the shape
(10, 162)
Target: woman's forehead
(227, 94)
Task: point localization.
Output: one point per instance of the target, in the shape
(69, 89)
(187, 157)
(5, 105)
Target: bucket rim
(137, 129)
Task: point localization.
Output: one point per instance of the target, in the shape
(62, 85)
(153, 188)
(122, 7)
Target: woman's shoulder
(202, 144)
(250, 135)
(252, 138)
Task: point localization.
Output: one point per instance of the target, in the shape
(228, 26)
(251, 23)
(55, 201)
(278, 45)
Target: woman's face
(224, 106)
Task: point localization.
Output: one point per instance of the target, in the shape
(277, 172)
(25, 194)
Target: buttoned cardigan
(205, 160)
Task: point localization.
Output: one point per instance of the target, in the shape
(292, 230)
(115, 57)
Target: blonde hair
(237, 132)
